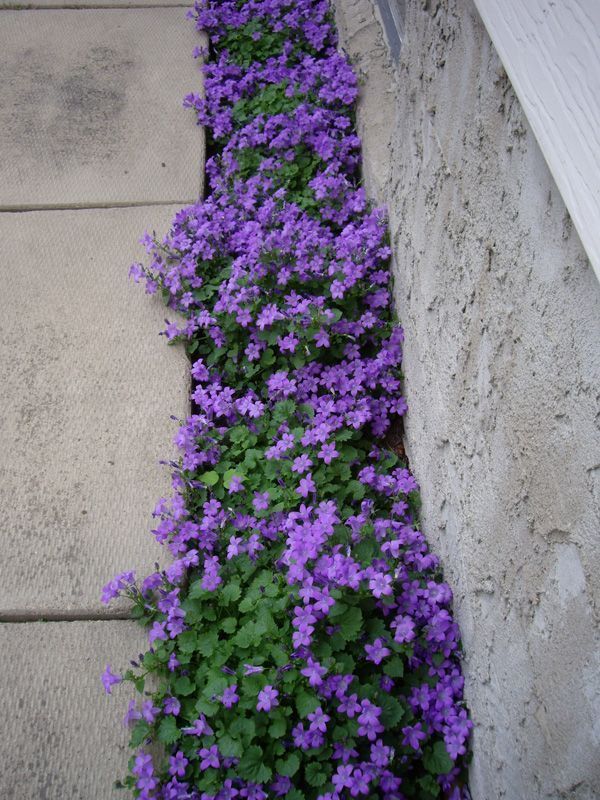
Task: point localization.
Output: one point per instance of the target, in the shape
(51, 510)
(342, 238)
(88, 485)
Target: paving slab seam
(20, 209)
(77, 616)
(99, 6)
(24, 617)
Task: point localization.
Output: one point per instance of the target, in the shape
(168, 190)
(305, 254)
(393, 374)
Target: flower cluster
(301, 637)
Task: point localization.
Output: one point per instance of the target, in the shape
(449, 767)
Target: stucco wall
(502, 375)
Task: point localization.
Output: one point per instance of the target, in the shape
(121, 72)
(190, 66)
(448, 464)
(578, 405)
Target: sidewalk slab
(91, 107)
(88, 390)
(62, 737)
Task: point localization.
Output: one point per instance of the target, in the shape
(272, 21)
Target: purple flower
(286, 283)
(251, 669)
(301, 464)
(267, 699)
(405, 629)
(314, 672)
(368, 721)
(149, 711)
(359, 783)
(328, 452)
(349, 706)
(261, 501)
(177, 764)
(381, 755)
(300, 737)
(306, 486)
(318, 720)
(199, 728)
(157, 632)
(110, 679)
(380, 584)
(281, 785)
(172, 706)
(209, 757)
(121, 583)
(322, 338)
(377, 651)
(236, 484)
(289, 343)
(342, 778)
(229, 697)
(132, 715)
(413, 736)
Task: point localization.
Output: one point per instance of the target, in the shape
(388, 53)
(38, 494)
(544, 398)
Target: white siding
(551, 52)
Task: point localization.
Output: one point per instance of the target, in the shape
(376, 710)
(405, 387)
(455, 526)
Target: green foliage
(239, 633)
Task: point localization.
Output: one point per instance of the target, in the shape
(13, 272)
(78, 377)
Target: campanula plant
(301, 639)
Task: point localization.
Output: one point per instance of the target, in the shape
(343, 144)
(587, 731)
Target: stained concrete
(91, 117)
(62, 738)
(502, 367)
(91, 107)
(88, 389)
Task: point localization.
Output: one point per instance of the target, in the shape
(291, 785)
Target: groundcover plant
(301, 637)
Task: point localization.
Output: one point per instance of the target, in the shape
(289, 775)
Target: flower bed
(301, 639)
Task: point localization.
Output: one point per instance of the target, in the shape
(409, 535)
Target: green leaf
(184, 686)
(430, 787)
(196, 590)
(207, 644)
(306, 703)
(337, 610)
(347, 662)
(140, 731)
(215, 684)
(187, 641)
(168, 732)
(392, 711)
(351, 623)
(251, 457)
(279, 655)
(229, 624)
(356, 489)
(267, 358)
(230, 593)
(336, 642)
(209, 478)
(437, 759)
(394, 668)
(314, 774)
(246, 636)
(150, 661)
(366, 551)
(244, 728)
(288, 766)
(230, 748)
(252, 767)
(277, 728)
(204, 706)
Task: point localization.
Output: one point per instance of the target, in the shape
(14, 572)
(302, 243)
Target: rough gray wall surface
(502, 375)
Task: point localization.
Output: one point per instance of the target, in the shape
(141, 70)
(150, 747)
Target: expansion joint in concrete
(95, 7)
(15, 209)
(19, 617)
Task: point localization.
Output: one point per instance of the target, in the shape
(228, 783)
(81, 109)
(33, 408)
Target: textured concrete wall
(502, 363)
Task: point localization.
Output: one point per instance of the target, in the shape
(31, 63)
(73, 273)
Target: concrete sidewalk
(95, 148)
